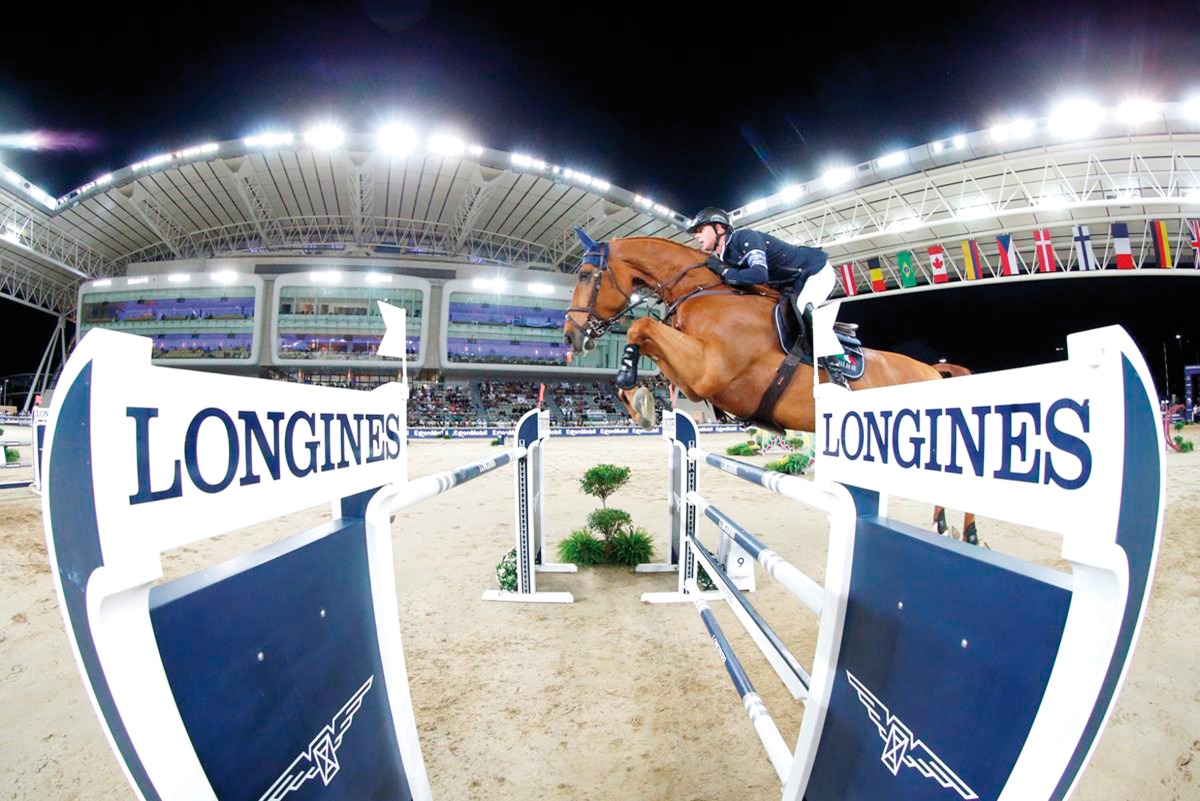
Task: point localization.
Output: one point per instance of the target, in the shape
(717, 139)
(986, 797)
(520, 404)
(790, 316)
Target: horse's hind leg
(939, 519)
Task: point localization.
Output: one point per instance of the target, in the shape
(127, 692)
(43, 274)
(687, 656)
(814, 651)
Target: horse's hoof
(970, 535)
(643, 405)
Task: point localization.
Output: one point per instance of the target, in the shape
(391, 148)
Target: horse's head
(603, 293)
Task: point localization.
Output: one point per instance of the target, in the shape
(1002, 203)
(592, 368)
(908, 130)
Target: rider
(751, 257)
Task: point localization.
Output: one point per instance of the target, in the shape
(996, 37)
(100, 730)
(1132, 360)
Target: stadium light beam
(837, 177)
(446, 144)
(269, 140)
(325, 137)
(1137, 111)
(397, 140)
(791, 193)
(1076, 119)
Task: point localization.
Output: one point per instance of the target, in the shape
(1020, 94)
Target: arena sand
(603, 699)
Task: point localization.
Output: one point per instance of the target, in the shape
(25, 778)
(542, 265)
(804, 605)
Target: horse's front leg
(683, 359)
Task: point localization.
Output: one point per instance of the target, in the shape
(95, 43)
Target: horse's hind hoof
(970, 535)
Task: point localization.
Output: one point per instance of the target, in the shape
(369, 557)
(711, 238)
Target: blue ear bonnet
(595, 253)
(589, 244)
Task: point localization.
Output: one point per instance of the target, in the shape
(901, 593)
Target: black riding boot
(627, 374)
(807, 321)
(802, 347)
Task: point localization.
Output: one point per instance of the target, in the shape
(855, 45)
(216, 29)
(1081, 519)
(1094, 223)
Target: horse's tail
(951, 370)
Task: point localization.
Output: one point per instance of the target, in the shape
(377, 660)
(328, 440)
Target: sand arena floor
(604, 699)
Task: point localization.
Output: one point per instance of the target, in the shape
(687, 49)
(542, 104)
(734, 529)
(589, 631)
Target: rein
(597, 257)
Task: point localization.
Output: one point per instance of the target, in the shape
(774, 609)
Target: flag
(1194, 227)
(1162, 243)
(1120, 235)
(973, 259)
(848, 283)
(1083, 248)
(1045, 250)
(908, 272)
(937, 263)
(878, 282)
(1008, 255)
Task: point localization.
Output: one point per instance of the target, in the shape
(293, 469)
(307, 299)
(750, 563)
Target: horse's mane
(767, 292)
(660, 240)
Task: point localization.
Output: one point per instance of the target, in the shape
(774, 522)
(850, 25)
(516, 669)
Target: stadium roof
(279, 193)
(1083, 166)
(393, 195)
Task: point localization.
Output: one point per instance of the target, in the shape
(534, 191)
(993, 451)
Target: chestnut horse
(720, 346)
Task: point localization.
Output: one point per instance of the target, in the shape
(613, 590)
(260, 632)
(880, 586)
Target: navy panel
(308, 611)
(1137, 536)
(971, 707)
(75, 530)
(356, 505)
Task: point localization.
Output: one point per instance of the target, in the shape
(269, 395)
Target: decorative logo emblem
(902, 749)
(320, 758)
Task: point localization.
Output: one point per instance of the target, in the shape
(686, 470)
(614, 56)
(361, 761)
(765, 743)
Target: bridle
(596, 326)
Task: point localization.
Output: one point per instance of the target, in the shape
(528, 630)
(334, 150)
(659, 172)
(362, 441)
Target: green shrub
(703, 581)
(1178, 425)
(498, 441)
(506, 571)
(795, 442)
(581, 548)
(603, 480)
(11, 455)
(743, 449)
(608, 521)
(1185, 445)
(793, 464)
(630, 547)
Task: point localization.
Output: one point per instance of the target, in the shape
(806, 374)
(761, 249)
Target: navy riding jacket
(753, 258)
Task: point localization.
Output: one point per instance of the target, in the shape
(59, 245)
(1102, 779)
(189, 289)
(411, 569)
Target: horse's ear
(589, 244)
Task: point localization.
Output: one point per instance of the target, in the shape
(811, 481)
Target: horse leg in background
(970, 534)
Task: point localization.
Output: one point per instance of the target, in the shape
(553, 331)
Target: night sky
(689, 104)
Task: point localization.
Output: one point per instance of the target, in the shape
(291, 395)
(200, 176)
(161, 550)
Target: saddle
(789, 329)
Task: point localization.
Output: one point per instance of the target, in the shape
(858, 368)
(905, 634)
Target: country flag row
(1010, 261)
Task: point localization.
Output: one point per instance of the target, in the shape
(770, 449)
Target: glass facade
(490, 328)
(184, 323)
(335, 323)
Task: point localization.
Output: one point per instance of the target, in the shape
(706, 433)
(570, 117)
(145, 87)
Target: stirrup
(834, 372)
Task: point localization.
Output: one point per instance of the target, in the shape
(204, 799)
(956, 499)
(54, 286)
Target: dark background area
(690, 105)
